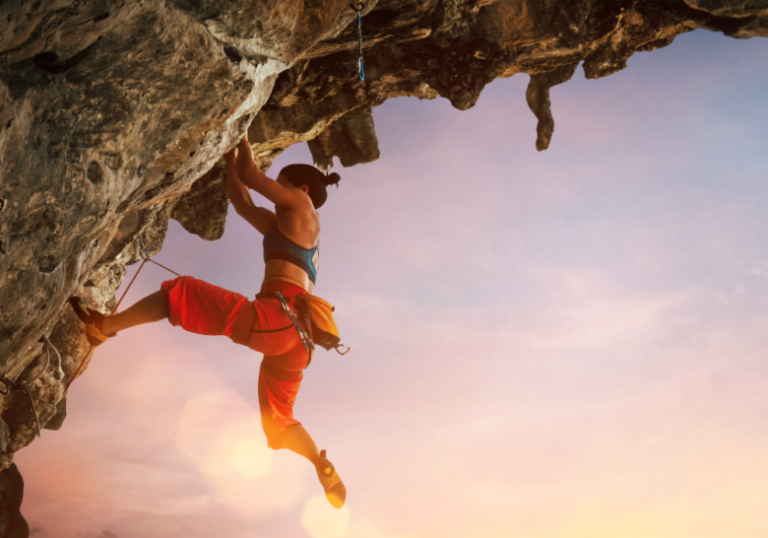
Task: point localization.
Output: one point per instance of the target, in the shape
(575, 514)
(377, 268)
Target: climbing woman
(279, 322)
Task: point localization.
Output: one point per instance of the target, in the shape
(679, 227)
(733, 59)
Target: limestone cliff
(114, 116)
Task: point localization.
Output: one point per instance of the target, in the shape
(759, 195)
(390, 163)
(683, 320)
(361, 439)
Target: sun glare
(364, 529)
(612, 521)
(221, 433)
(321, 520)
(250, 458)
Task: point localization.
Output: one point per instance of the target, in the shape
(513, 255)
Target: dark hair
(305, 174)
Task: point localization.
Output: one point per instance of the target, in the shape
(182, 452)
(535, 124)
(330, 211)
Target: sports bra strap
(279, 247)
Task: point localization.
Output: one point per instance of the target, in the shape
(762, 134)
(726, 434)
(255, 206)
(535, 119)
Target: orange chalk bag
(324, 331)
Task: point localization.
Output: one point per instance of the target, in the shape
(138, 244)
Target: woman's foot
(334, 488)
(93, 323)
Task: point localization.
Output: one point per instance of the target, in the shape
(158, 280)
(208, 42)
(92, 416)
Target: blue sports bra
(279, 247)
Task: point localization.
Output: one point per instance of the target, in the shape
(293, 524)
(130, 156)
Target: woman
(291, 253)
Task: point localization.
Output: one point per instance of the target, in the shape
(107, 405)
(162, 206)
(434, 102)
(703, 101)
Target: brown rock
(12, 523)
(202, 210)
(351, 138)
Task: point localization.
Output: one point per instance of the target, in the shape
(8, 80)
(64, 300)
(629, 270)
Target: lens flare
(321, 520)
(221, 433)
(364, 529)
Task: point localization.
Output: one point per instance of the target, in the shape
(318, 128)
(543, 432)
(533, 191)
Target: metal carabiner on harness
(305, 339)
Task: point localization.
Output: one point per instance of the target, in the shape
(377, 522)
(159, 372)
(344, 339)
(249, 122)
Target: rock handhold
(537, 96)
(57, 420)
(202, 210)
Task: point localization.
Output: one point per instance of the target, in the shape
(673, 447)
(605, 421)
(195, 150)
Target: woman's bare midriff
(286, 271)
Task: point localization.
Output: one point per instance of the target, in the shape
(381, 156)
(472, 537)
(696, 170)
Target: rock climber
(291, 254)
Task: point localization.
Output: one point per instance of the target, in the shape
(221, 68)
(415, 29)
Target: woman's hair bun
(331, 179)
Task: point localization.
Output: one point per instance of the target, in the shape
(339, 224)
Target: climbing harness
(145, 259)
(319, 326)
(18, 385)
(358, 7)
(306, 340)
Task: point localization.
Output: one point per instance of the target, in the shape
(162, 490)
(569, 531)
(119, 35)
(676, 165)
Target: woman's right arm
(259, 217)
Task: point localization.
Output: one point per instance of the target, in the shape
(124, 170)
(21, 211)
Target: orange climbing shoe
(92, 320)
(334, 488)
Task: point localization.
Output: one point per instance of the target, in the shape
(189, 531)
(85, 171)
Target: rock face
(12, 523)
(114, 116)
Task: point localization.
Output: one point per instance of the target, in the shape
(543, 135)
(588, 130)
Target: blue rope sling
(358, 7)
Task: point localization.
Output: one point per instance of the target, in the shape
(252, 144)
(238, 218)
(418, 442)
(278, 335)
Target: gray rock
(57, 420)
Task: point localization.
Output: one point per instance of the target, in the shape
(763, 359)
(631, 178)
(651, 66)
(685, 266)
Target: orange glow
(321, 520)
(221, 434)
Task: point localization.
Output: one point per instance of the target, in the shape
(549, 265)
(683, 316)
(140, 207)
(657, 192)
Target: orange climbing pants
(203, 308)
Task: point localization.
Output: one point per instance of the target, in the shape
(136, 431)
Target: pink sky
(567, 344)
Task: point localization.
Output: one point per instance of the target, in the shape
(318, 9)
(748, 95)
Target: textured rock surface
(114, 116)
(12, 523)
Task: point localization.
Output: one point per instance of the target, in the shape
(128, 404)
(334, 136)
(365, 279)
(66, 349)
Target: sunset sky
(566, 344)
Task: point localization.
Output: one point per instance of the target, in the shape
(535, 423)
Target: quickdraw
(358, 8)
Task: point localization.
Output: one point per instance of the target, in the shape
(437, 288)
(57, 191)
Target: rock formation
(114, 117)
(12, 523)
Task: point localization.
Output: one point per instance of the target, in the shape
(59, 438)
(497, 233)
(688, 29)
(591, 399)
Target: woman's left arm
(255, 179)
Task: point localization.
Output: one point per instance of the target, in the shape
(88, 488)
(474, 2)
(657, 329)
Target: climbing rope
(148, 258)
(144, 260)
(24, 385)
(51, 346)
(163, 266)
(358, 7)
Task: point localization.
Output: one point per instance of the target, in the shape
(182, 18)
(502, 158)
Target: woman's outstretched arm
(255, 179)
(259, 217)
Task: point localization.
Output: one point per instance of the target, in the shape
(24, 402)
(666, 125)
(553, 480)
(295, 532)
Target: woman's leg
(296, 439)
(277, 392)
(151, 308)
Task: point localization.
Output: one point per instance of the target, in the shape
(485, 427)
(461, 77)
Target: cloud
(321, 520)
(760, 269)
